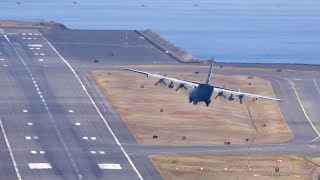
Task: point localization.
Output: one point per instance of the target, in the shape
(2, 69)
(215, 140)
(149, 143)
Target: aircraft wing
(185, 82)
(243, 94)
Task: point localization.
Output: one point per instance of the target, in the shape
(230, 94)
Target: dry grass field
(223, 121)
(187, 166)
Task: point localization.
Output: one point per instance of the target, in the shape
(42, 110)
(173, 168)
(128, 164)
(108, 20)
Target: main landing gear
(194, 102)
(208, 103)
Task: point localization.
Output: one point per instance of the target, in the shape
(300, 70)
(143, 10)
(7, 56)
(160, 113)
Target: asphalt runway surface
(57, 124)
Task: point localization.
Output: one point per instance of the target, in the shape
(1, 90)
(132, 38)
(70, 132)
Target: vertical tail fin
(210, 72)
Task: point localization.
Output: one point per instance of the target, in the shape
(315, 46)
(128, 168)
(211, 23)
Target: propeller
(240, 98)
(181, 85)
(171, 85)
(220, 94)
(161, 81)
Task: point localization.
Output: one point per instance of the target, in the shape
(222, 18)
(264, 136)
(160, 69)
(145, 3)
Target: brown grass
(222, 121)
(262, 167)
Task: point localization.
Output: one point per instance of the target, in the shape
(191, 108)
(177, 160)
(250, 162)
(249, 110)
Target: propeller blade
(163, 82)
(181, 86)
(220, 94)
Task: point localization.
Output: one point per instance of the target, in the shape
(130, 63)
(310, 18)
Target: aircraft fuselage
(202, 93)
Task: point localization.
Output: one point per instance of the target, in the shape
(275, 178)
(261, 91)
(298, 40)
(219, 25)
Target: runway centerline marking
(25, 110)
(304, 111)
(10, 150)
(97, 109)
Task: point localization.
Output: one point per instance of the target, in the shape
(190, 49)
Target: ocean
(253, 31)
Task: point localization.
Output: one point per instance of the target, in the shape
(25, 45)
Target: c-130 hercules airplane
(203, 92)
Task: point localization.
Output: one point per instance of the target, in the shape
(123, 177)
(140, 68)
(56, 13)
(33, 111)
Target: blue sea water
(281, 31)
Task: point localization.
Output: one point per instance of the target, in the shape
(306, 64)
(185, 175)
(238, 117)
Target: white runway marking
(102, 152)
(36, 34)
(29, 38)
(30, 124)
(35, 137)
(304, 111)
(85, 137)
(10, 151)
(37, 48)
(40, 166)
(35, 45)
(42, 152)
(36, 54)
(30, 34)
(24, 34)
(77, 124)
(28, 137)
(70, 111)
(25, 110)
(23, 38)
(109, 166)
(41, 60)
(49, 113)
(34, 38)
(33, 152)
(5, 65)
(31, 48)
(1, 59)
(93, 138)
(97, 109)
(315, 83)
(42, 54)
(93, 152)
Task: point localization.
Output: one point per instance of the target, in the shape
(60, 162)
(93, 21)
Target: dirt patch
(241, 167)
(223, 121)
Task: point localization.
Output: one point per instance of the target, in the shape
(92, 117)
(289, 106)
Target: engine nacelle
(231, 97)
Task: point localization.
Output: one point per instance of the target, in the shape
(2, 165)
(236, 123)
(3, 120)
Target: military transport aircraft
(203, 92)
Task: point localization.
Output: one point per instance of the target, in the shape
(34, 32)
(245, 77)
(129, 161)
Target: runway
(52, 126)
(57, 124)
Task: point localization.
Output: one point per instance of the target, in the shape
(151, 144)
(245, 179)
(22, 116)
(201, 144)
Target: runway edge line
(10, 151)
(97, 109)
(304, 111)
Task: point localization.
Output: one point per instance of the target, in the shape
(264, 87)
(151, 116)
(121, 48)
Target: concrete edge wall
(167, 47)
